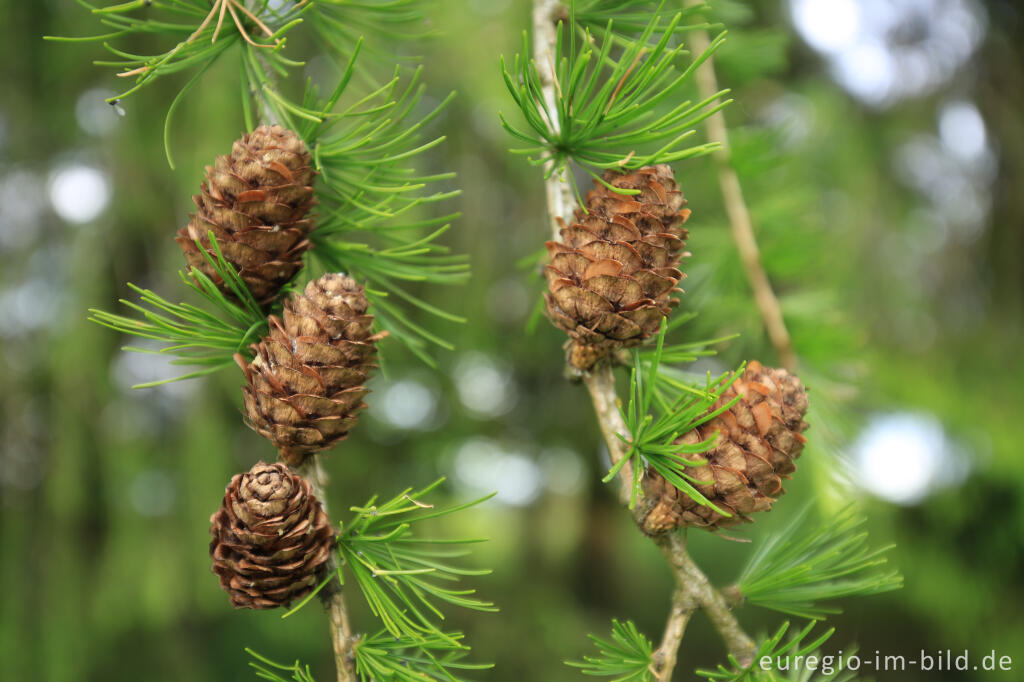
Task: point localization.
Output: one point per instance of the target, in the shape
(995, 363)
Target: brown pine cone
(758, 439)
(305, 386)
(255, 201)
(271, 538)
(612, 274)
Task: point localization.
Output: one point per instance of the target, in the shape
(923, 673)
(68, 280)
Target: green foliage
(659, 411)
(191, 335)
(632, 17)
(627, 656)
(608, 110)
(806, 564)
(367, 190)
(401, 575)
(267, 669)
(668, 377)
(341, 24)
(204, 34)
(773, 647)
(383, 656)
(375, 210)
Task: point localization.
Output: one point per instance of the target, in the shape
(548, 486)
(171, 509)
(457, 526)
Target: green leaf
(341, 24)
(267, 669)
(627, 656)
(403, 576)
(659, 412)
(382, 656)
(378, 217)
(807, 563)
(801, 644)
(190, 334)
(611, 113)
(196, 34)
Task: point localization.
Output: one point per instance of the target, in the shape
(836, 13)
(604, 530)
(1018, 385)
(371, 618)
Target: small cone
(758, 439)
(612, 275)
(271, 537)
(305, 386)
(255, 200)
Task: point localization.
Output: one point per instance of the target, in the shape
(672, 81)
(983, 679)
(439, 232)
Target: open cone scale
(759, 438)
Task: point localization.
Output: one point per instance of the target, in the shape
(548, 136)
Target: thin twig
(693, 588)
(601, 385)
(736, 208)
(331, 596)
(546, 14)
(683, 606)
(711, 601)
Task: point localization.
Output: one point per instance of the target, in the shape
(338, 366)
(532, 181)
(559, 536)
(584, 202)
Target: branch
(688, 573)
(736, 208)
(683, 606)
(601, 385)
(546, 15)
(331, 596)
(693, 589)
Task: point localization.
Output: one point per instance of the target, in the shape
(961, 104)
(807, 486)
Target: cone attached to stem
(271, 538)
(611, 276)
(305, 386)
(256, 201)
(758, 439)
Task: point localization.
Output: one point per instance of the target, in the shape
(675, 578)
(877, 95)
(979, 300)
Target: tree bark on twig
(740, 221)
(331, 596)
(693, 589)
(546, 14)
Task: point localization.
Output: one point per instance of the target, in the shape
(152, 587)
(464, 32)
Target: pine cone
(612, 273)
(270, 538)
(758, 439)
(255, 201)
(306, 384)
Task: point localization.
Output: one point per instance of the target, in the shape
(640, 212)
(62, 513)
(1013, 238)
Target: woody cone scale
(256, 202)
(611, 277)
(271, 538)
(305, 386)
(758, 439)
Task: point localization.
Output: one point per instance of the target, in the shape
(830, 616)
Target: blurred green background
(881, 148)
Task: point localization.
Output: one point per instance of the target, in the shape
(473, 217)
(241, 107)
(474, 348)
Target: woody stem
(331, 596)
(740, 222)
(693, 589)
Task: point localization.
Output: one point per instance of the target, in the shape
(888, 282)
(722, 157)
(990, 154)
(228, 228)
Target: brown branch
(736, 208)
(601, 385)
(331, 596)
(693, 589)
(342, 639)
(683, 606)
(711, 601)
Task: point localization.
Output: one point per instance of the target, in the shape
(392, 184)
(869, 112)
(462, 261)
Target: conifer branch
(546, 15)
(332, 598)
(690, 577)
(739, 215)
(693, 587)
(683, 606)
(627, 656)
